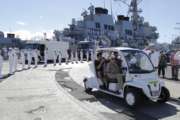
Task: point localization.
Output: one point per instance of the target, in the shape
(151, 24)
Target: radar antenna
(133, 10)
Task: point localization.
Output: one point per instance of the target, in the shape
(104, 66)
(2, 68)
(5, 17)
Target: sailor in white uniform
(1, 65)
(81, 55)
(92, 55)
(60, 57)
(55, 57)
(10, 55)
(67, 58)
(45, 57)
(76, 54)
(29, 58)
(15, 59)
(35, 55)
(22, 59)
(87, 55)
(72, 57)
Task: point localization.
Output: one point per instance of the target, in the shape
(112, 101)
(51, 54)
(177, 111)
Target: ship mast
(133, 12)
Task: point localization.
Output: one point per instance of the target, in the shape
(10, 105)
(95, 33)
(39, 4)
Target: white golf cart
(139, 78)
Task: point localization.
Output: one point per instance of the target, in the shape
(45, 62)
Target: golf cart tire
(164, 96)
(135, 93)
(87, 90)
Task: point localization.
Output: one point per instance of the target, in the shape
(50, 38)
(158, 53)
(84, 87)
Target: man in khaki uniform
(114, 70)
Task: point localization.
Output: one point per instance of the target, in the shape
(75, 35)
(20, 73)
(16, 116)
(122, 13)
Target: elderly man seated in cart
(114, 71)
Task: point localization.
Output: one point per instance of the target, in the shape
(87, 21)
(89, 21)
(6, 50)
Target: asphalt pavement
(146, 111)
(34, 94)
(57, 93)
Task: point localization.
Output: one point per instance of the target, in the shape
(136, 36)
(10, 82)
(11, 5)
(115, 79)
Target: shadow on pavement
(5, 77)
(146, 111)
(172, 79)
(9, 75)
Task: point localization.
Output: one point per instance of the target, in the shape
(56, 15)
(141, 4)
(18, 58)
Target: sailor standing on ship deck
(1, 65)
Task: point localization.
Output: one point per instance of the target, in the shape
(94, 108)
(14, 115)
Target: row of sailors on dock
(33, 56)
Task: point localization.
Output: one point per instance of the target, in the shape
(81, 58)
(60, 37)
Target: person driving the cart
(114, 70)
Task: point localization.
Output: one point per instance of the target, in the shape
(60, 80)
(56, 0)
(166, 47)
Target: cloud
(28, 35)
(21, 23)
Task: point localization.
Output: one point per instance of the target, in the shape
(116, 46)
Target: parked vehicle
(51, 46)
(139, 78)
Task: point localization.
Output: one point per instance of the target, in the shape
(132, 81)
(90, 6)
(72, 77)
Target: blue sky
(36, 16)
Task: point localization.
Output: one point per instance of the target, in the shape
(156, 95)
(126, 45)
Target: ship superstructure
(134, 30)
(98, 25)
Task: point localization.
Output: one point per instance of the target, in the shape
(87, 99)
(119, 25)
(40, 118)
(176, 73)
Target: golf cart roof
(117, 48)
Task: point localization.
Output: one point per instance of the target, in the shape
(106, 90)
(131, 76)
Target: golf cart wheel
(132, 97)
(87, 90)
(164, 96)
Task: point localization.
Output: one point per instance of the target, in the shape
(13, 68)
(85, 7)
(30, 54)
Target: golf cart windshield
(138, 62)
